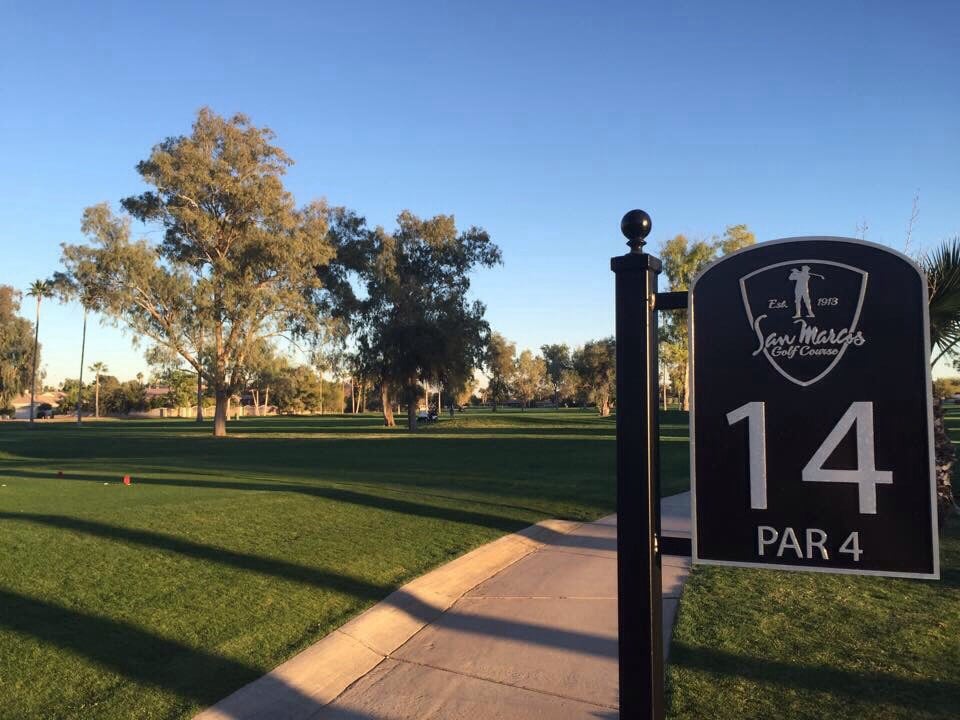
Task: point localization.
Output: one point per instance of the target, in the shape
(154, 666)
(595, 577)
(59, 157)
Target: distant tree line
(106, 395)
(559, 375)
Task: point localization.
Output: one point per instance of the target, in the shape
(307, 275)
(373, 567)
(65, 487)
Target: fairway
(227, 556)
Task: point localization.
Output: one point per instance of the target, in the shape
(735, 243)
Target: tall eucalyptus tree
(237, 261)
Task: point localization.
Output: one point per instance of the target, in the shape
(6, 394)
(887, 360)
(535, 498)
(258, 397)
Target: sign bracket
(677, 300)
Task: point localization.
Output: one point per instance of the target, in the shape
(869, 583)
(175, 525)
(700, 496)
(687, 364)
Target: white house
(21, 404)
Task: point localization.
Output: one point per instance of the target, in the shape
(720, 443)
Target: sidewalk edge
(319, 674)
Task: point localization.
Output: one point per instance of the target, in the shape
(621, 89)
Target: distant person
(801, 291)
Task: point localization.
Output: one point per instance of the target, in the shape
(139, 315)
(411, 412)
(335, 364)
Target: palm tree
(942, 267)
(68, 290)
(98, 369)
(83, 349)
(39, 289)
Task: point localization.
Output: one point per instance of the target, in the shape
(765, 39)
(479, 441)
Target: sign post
(638, 492)
(811, 428)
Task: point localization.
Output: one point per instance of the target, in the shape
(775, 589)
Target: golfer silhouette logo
(804, 340)
(801, 289)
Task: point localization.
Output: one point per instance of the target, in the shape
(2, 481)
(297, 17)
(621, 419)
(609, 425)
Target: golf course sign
(811, 423)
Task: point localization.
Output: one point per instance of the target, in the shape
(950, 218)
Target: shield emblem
(804, 314)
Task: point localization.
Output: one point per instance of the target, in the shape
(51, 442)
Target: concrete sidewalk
(522, 628)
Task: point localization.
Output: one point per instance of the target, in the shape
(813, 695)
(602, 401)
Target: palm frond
(942, 267)
(40, 288)
(948, 341)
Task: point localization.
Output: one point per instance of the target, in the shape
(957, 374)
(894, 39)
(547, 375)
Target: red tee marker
(126, 479)
(59, 473)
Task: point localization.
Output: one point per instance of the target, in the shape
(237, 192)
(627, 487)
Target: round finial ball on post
(635, 226)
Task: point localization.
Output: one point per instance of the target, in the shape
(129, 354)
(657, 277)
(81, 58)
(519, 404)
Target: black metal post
(638, 484)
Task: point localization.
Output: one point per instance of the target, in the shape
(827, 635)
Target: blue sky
(540, 121)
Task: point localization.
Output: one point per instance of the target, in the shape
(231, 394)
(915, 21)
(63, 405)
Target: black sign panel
(811, 427)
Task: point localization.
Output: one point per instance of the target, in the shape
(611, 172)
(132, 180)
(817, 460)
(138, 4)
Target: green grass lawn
(767, 644)
(226, 557)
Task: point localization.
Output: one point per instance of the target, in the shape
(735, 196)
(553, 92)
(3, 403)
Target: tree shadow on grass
(423, 493)
(134, 653)
(378, 502)
(538, 480)
(339, 582)
(514, 456)
(395, 486)
(564, 468)
(293, 571)
(880, 688)
(322, 579)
